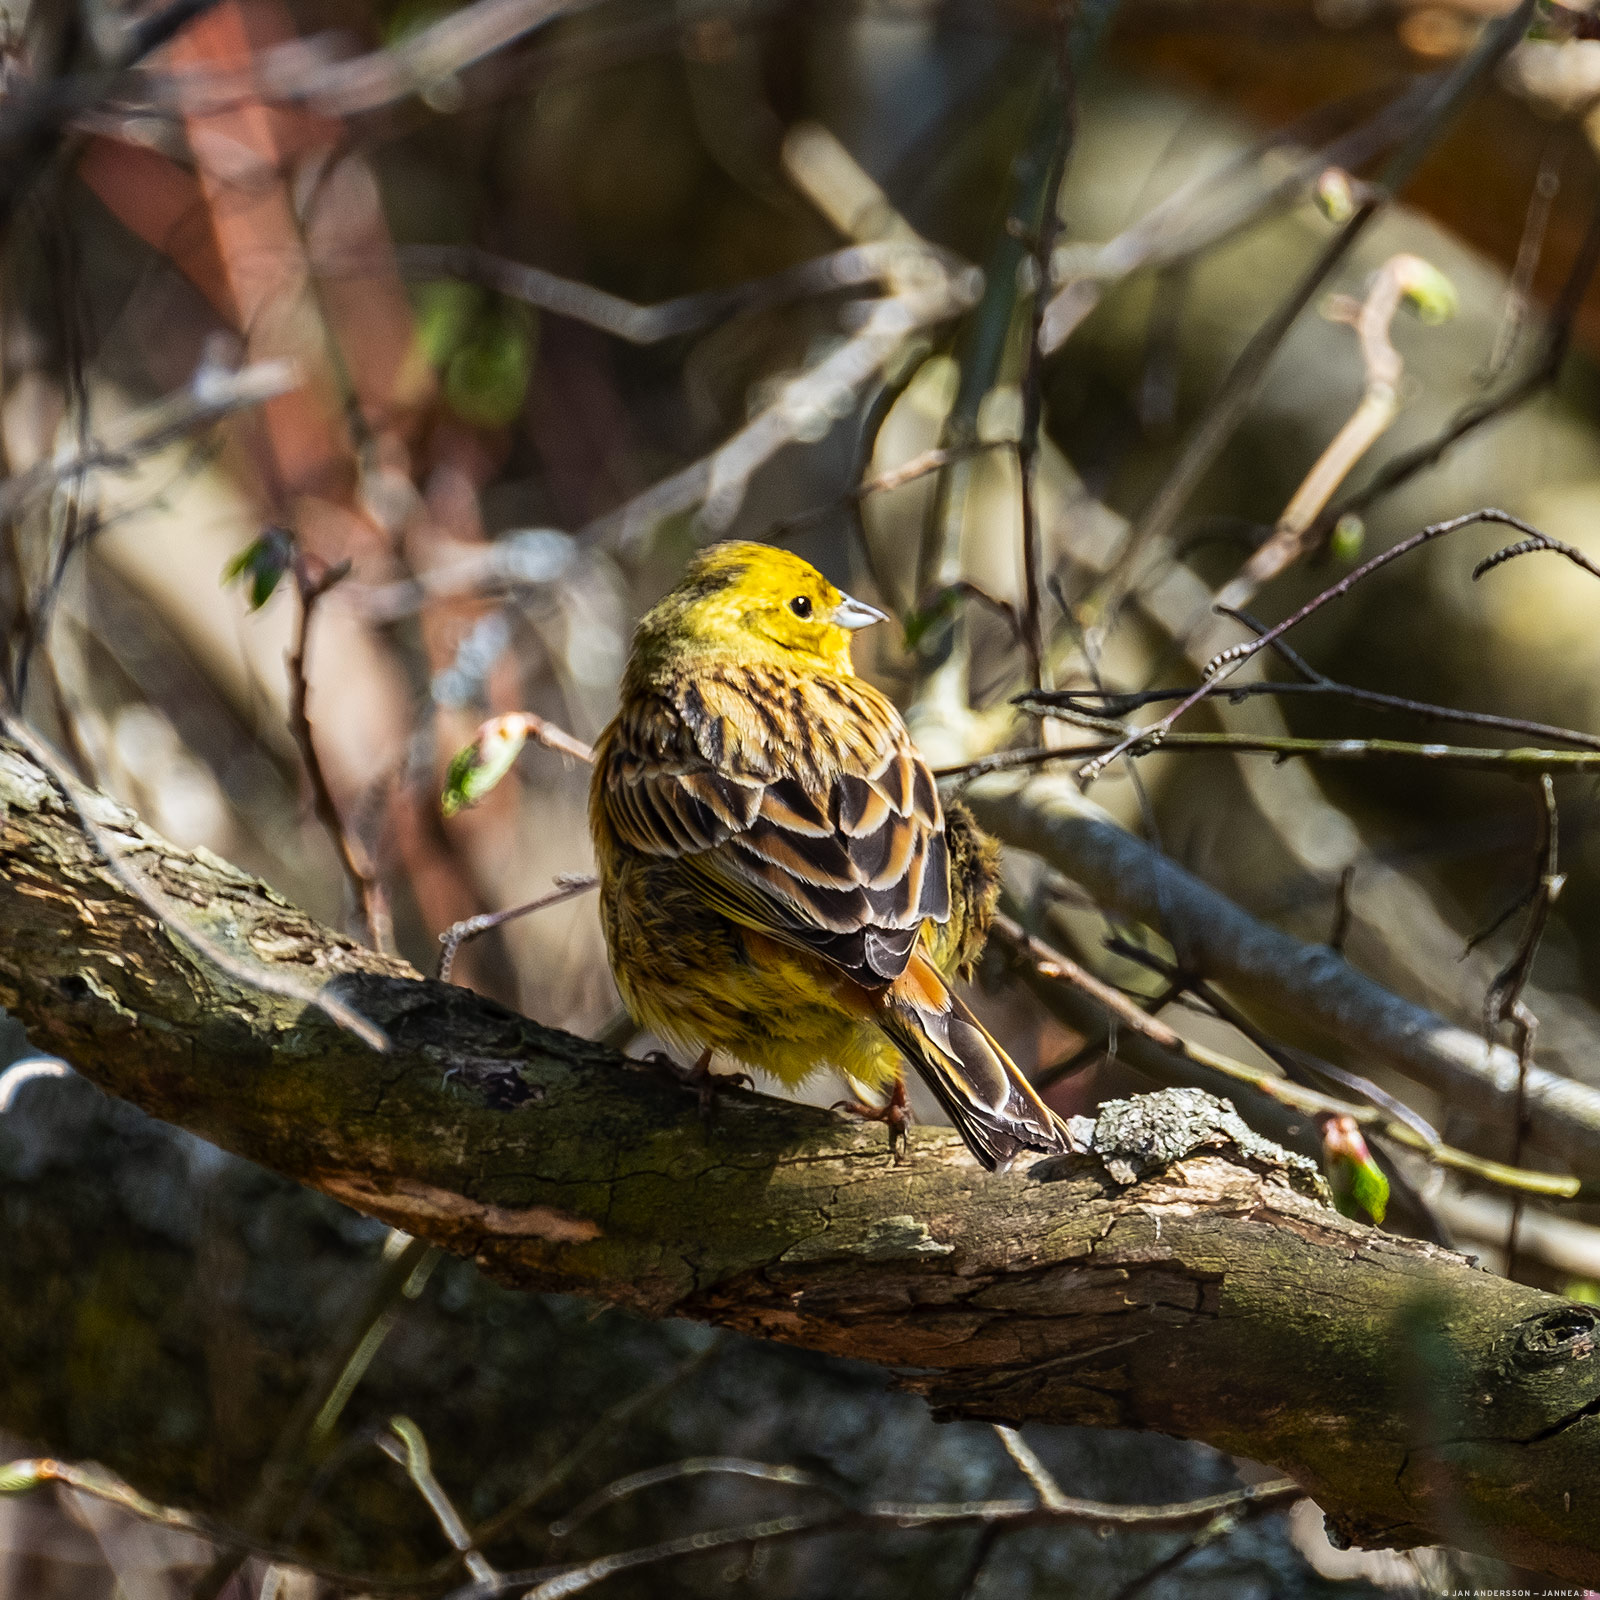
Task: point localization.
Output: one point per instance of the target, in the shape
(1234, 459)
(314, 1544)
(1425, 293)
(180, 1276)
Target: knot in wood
(1553, 1337)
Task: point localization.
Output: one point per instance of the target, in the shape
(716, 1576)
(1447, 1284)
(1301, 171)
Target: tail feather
(993, 1107)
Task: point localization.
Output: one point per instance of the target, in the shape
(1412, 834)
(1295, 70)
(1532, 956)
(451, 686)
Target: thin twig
(1031, 1467)
(618, 1416)
(1204, 212)
(1300, 1066)
(927, 286)
(1519, 291)
(1400, 276)
(1239, 389)
(1504, 1004)
(406, 1444)
(675, 1472)
(1046, 225)
(402, 1273)
(1218, 1528)
(89, 1478)
(530, 558)
(246, 974)
(547, 1583)
(1229, 659)
(874, 415)
(304, 72)
(984, 337)
(1114, 706)
(214, 392)
(849, 268)
(1558, 340)
(1053, 965)
(987, 1539)
(1520, 762)
(568, 887)
(909, 471)
(314, 579)
(1532, 545)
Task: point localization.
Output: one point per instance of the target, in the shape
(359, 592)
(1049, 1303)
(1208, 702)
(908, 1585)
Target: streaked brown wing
(848, 860)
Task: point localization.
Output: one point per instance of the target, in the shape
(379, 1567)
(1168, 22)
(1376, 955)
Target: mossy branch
(1179, 1274)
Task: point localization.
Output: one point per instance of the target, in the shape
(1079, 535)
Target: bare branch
(927, 293)
(1504, 1003)
(1401, 1129)
(1225, 661)
(1032, 1468)
(406, 1445)
(1400, 277)
(1541, 373)
(568, 887)
(250, 974)
(1243, 382)
(313, 580)
(1116, 705)
(843, 269)
(544, 1157)
(616, 1417)
(305, 72)
(547, 1583)
(1275, 974)
(404, 1269)
(1524, 763)
(1211, 208)
(927, 286)
(214, 392)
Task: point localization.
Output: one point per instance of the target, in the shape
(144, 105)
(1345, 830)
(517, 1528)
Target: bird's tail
(993, 1107)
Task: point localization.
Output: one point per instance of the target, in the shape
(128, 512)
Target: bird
(775, 862)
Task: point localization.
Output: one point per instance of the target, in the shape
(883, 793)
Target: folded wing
(831, 838)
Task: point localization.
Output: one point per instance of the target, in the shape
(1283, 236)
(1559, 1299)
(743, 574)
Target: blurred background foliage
(461, 449)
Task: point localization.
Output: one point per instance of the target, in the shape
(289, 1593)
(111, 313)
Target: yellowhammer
(775, 865)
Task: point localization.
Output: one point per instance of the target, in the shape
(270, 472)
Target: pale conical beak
(852, 614)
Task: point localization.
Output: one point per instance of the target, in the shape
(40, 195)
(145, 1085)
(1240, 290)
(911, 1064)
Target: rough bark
(1179, 1275)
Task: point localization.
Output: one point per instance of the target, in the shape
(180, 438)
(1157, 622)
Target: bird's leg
(706, 1083)
(894, 1113)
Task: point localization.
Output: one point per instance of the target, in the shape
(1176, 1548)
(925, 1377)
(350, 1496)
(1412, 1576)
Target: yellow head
(752, 602)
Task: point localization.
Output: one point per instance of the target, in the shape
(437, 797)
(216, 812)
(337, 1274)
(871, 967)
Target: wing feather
(834, 842)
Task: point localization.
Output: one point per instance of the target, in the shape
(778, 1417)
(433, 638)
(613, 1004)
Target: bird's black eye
(800, 605)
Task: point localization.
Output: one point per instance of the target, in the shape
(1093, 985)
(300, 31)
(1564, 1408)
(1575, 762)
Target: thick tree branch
(1180, 1274)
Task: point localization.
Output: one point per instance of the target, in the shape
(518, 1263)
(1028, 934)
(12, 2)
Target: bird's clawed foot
(705, 1083)
(894, 1114)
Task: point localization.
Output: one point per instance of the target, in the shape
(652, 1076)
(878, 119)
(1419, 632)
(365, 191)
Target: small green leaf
(1432, 295)
(1349, 534)
(921, 623)
(1370, 1190)
(475, 770)
(416, 1446)
(445, 312)
(1335, 195)
(1360, 1189)
(264, 562)
(1585, 1290)
(20, 1477)
(1357, 1181)
(487, 378)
